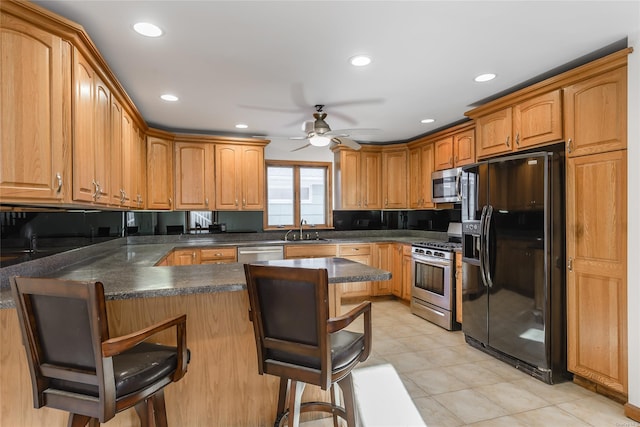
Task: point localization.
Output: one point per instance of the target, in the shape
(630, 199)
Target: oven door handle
(431, 261)
(483, 245)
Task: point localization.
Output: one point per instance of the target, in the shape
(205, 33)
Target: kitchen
(631, 297)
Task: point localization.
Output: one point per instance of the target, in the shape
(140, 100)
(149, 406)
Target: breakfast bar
(222, 386)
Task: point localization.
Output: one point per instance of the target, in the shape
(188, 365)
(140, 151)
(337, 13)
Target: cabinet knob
(570, 264)
(506, 141)
(170, 201)
(206, 201)
(569, 145)
(518, 139)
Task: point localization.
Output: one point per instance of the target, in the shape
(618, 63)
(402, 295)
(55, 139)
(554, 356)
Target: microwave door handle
(459, 185)
(487, 239)
(483, 247)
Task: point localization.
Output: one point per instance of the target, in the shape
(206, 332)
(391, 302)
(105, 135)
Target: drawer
(228, 254)
(406, 250)
(309, 251)
(354, 249)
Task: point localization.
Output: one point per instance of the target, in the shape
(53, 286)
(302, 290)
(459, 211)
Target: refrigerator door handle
(487, 243)
(483, 274)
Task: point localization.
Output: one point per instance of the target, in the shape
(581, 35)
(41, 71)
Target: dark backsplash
(431, 220)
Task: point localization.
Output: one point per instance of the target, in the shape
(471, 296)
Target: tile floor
(453, 384)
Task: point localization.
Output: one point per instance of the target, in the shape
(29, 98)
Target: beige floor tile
(597, 411)
(470, 406)
(556, 393)
(548, 417)
(512, 398)
(472, 374)
(508, 421)
(435, 381)
(408, 362)
(412, 388)
(436, 415)
(504, 370)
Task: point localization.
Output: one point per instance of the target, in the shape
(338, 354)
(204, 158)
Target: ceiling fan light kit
(319, 140)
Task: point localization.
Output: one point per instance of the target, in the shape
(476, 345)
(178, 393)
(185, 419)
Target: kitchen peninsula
(222, 386)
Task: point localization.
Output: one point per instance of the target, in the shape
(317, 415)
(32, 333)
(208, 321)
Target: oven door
(432, 281)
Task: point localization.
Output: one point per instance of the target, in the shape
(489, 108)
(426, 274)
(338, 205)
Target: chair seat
(143, 365)
(345, 347)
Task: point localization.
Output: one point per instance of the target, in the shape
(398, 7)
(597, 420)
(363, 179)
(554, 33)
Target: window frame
(296, 165)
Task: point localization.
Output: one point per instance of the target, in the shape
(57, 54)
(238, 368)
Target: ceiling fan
(319, 134)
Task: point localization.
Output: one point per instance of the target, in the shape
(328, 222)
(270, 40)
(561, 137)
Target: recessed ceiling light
(485, 77)
(147, 29)
(241, 126)
(427, 120)
(169, 97)
(360, 60)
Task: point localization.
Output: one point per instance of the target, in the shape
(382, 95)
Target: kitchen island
(222, 386)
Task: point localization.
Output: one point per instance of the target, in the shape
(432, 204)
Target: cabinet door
(117, 193)
(138, 171)
(427, 154)
(458, 287)
(102, 141)
(348, 179)
(194, 178)
(371, 182)
(464, 148)
(384, 253)
(406, 277)
(186, 257)
(415, 177)
(359, 253)
(253, 178)
(35, 86)
(444, 153)
(595, 114)
(84, 150)
(538, 121)
(159, 173)
(394, 163)
(493, 133)
(596, 273)
(227, 172)
(129, 153)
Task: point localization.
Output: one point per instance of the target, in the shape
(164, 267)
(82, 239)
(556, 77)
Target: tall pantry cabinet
(595, 133)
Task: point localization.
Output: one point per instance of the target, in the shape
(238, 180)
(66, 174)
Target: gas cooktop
(442, 246)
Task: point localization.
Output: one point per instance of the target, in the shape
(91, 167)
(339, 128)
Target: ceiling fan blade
(300, 148)
(347, 142)
(347, 132)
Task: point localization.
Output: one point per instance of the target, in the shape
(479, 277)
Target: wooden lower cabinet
(597, 268)
(194, 256)
(310, 250)
(388, 256)
(407, 278)
(221, 255)
(185, 257)
(359, 253)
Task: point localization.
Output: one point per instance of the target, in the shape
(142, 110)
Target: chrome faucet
(302, 221)
(286, 234)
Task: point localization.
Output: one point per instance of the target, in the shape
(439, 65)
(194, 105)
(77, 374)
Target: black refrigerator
(513, 301)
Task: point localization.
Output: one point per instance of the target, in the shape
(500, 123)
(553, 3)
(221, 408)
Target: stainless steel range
(433, 284)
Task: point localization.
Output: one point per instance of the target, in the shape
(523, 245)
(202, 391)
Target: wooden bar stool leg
(348, 397)
(76, 420)
(159, 409)
(335, 401)
(144, 409)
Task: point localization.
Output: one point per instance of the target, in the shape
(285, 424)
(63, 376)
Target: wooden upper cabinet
(493, 133)
(444, 153)
(455, 150)
(537, 121)
(159, 173)
(118, 194)
(35, 88)
(394, 182)
(358, 178)
(464, 148)
(595, 114)
(194, 175)
(239, 177)
(534, 122)
(420, 169)
(92, 130)
(136, 161)
(597, 268)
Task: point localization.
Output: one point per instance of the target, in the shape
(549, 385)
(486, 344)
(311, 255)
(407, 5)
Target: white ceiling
(266, 63)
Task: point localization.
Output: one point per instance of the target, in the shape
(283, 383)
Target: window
(298, 191)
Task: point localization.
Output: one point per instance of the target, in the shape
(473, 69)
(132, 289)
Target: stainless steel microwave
(445, 186)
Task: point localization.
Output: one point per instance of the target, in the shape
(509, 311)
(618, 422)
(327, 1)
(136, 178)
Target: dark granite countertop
(126, 265)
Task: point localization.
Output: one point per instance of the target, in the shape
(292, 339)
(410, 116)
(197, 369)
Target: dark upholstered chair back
(290, 309)
(73, 363)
